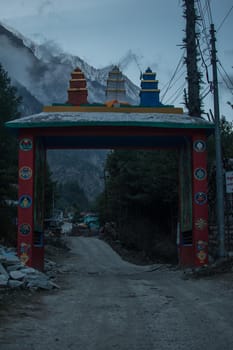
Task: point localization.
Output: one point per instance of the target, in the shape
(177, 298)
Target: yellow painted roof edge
(166, 110)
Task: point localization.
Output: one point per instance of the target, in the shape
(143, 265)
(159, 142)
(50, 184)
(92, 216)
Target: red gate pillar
(200, 203)
(31, 201)
(26, 198)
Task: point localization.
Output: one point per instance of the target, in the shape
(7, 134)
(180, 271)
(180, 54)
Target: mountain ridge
(42, 66)
(41, 74)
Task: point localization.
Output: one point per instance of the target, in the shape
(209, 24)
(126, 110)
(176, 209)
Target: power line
(205, 31)
(202, 12)
(176, 94)
(203, 62)
(209, 13)
(228, 77)
(173, 76)
(178, 78)
(206, 92)
(224, 19)
(218, 150)
(226, 83)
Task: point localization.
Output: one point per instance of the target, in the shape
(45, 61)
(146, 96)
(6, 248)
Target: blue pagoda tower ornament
(149, 94)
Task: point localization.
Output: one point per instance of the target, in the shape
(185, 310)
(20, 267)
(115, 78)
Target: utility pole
(218, 149)
(192, 100)
(193, 103)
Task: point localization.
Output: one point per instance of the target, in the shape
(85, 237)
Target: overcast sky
(103, 32)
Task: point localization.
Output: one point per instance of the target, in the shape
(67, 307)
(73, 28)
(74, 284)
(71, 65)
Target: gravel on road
(107, 303)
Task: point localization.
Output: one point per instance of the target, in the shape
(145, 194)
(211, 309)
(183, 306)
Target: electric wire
(224, 19)
(178, 68)
(203, 61)
(205, 15)
(224, 80)
(204, 25)
(226, 74)
(176, 94)
(173, 76)
(203, 47)
(172, 83)
(209, 12)
(178, 78)
(206, 92)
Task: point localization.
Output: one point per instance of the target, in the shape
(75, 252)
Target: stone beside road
(14, 274)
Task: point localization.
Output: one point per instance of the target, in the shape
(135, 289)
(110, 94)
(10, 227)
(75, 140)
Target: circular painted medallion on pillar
(25, 201)
(201, 224)
(25, 229)
(25, 144)
(200, 174)
(200, 198)
(25, 249)
(202, 256)
(201, 250)
(201, 245)
(199, 146)
(25, 173)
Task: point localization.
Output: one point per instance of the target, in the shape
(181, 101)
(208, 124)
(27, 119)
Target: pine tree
(9, 103)
(141, 198)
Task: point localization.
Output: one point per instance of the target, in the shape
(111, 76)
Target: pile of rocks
(223, 265)
(13, 274)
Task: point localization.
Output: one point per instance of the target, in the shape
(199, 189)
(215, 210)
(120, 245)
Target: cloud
(16, 59)
(45, 7)
(25, 8)
(129, 58)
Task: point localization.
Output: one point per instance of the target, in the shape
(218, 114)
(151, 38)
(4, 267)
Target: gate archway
(94, 127)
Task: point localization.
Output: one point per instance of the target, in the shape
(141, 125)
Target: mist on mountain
(44, 70)
(41, 74)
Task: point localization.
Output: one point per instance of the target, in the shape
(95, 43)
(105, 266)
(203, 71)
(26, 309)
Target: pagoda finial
(149, 94)
(77, 92)
(115, 90)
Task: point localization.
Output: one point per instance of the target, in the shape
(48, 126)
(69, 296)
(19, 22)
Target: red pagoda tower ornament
(77, 92)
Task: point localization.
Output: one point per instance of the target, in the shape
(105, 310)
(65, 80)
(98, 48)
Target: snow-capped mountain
(44, 70)
(41, 74)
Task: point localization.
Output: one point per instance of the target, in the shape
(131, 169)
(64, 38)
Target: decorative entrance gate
(104, 127)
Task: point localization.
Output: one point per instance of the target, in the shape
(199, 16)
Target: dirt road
(106, 303)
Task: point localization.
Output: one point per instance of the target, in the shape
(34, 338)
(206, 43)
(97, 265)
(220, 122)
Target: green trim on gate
(31, 125)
